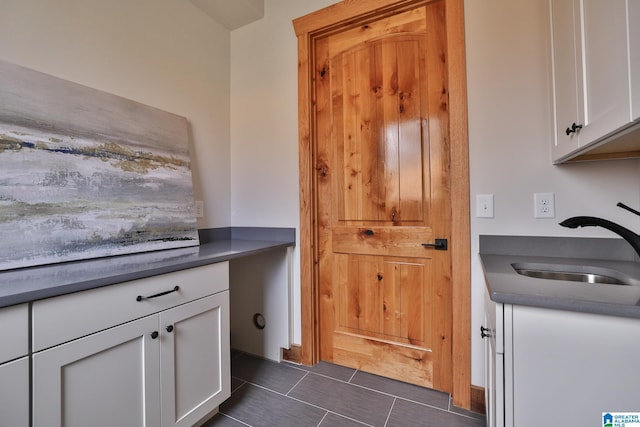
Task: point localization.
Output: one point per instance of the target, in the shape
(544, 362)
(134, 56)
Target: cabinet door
(605, 73)
(634, 59)
(14, 339)
(103, 380)
(195, 366)
(565, 27)
(494, 363)
(490, 379)
(14, 393)
(591, 79)
(571, 367)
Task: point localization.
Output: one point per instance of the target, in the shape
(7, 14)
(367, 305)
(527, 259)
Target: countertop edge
(505, 286)
(93, 276)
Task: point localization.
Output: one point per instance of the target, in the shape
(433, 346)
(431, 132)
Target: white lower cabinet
(573, 367)
(110, 378)
(567, 368)
(14, 366)
(14, 393)
(170, 368)
(194, 360)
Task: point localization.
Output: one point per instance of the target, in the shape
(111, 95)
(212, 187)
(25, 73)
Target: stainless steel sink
(586, 274)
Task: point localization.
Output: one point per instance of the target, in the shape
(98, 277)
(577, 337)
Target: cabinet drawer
(67, 317)
(14, 335)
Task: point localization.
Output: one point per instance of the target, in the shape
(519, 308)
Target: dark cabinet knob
(170, 328)
(484, 332)
(154, 334)
(573, 129)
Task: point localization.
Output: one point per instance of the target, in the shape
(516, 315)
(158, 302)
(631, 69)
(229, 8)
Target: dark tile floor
(270, 394)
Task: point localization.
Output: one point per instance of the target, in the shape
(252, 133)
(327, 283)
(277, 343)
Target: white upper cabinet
(634, 52)
(595, 76)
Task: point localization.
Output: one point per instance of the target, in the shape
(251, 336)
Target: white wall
(171, 56)
(509, 123)
(264, 124)
(162, 53)
(508, 63)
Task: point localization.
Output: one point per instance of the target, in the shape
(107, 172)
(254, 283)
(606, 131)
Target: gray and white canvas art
(86, 174)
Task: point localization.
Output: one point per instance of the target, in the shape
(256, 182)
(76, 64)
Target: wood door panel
(379, 146)
(383, 297)
(405, 363)
(400, 241)
(382, 165)
(321, 36)
(411, 21)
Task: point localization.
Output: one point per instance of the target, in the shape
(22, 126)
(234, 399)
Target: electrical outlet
(199, 209)
(484, 206)
(544, 205)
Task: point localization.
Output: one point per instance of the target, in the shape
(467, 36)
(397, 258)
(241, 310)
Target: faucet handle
(623, 206)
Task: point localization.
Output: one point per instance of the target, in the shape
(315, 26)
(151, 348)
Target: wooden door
(382, 164)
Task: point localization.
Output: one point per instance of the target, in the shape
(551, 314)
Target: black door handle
(439, 245)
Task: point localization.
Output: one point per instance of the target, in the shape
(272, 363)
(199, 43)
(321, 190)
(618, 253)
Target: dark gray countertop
(498, 253)
(30, 284)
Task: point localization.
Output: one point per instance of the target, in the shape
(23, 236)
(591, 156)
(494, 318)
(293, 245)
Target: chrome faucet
(589, 221)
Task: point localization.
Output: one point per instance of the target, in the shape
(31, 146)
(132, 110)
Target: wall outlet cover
(544, 205)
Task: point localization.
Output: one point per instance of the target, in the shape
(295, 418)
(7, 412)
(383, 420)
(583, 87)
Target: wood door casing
(350, 14)
(383, 189)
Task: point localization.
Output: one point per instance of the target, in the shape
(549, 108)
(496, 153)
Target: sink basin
(574, 273)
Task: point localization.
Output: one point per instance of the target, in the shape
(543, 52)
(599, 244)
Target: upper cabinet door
(592, 48)
(567, 60)
(634, 51)
(605, 69)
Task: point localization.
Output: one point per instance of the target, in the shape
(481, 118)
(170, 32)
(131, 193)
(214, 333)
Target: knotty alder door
(382, 162)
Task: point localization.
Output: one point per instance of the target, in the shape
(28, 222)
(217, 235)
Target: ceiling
(232, 14)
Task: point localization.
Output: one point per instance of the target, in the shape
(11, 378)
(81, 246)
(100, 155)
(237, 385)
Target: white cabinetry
(14, 366)
(595, 72)
(105, 357)
(559, 366)
(571, 367)
(195, 374)
(109, 378)
(498, 380)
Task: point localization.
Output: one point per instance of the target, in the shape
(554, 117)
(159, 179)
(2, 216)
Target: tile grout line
(447, 409)
(307, 372)
(386, 422)
(389, 394)
(323, 418)
(235, 419)
(306, 403)
(352, 376)
(298, 382)
(395, 397)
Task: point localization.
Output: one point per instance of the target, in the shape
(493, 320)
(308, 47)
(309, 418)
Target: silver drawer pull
(141, 298)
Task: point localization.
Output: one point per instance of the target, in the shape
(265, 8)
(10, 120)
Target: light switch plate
(199, 209)
(484, 206)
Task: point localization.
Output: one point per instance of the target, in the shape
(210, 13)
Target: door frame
(349, 13)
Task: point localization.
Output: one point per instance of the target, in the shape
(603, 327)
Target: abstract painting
(86, 174)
